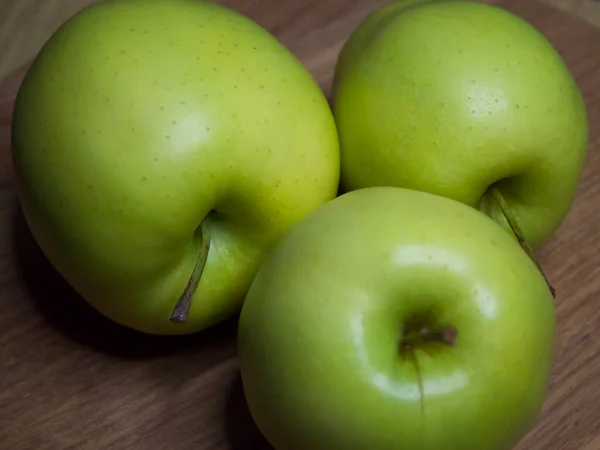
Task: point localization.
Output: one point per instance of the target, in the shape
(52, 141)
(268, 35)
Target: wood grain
(588, 10)
(70, 379)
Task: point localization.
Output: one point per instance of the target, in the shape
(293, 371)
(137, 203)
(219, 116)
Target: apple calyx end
(182, 308)
(516, 229)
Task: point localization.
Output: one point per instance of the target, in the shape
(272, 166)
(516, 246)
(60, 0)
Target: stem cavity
(506, 212)
(445, 335)
(182, 308)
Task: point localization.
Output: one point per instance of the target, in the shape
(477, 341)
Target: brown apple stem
(506, 212)
(182, 308)
(415, 361)
(413, 339)
(445, 335)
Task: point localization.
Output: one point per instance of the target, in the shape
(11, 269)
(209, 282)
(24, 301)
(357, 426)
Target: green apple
(396, 319)
(154, 137)
(459, 99)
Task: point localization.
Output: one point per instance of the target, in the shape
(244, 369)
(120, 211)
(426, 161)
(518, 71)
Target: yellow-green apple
(396, 319)
(154, 137)
(459, 98)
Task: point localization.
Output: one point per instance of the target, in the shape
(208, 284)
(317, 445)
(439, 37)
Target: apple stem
(446, 335)
(499, 198)
(413, 359)
(182, 308)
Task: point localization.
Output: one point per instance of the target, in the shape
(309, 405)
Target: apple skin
(319, 331)
(453, 97)
(138, 122)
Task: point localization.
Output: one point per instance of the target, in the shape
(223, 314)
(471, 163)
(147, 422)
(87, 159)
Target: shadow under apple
(70, 314)
(241, 430)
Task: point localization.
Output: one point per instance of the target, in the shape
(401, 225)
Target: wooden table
(70, 379)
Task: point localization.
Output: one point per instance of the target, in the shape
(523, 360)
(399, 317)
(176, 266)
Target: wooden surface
(588, 10)
(71, 380)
